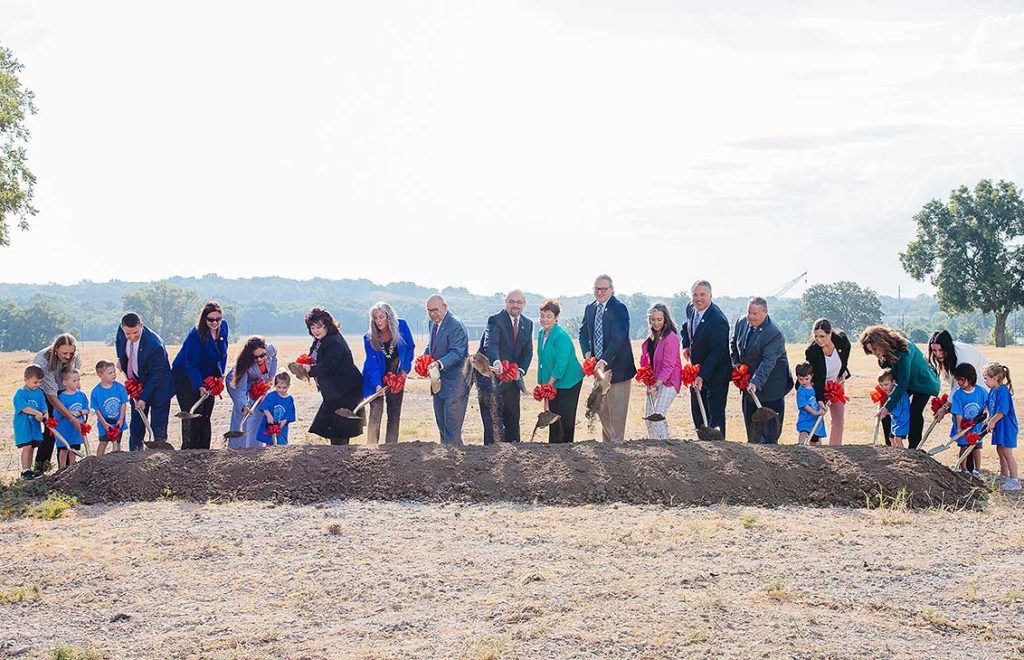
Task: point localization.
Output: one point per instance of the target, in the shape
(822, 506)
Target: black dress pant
(918, 402)
(508, 412)
(714, 398)
(769, 432)
(564, 404)
(195, 433)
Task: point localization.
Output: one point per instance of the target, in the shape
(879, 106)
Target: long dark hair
(320, 315)
(245, 358)
(63, 339)
(945, 342)
(668, 328)
(201, 326)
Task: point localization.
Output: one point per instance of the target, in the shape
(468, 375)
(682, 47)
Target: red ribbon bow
(544, 392)
(966, 424)
(589, 366)
(86, 429)
(938, 402)
(215, 385)
(304, 359)
(741, 377)
(973, 438)
(258, 389)
(690, 373)
(645, 376)
(273, 429)
(509, 372)
(394, 382)
(878, 396)
(835, 393)
(113, 433)
(134, 388)
(51, 422)
(422, 365)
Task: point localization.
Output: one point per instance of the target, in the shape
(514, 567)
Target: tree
(846, 304)
(971, 250)
(31, 327)
(168, 309)
(17, 183)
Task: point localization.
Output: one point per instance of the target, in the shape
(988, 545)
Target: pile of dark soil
(672, 472)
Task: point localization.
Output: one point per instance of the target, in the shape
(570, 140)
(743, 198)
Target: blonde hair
(376, 337)
(1000, 372)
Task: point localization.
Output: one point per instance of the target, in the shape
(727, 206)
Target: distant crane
(790, 284)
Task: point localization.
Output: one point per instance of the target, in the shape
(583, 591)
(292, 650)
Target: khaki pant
(614, 408)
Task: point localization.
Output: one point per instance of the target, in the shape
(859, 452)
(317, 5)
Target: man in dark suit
(705, 338)
(509, 337)
(143, 356)
(758, 343)
(605, 335)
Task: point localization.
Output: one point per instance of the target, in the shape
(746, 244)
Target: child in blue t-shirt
(278, 408)
(807, 403)
(78, 406)
(1002, 421)
(966, 404)
(29, 413)
(900, 414)
(109, 400)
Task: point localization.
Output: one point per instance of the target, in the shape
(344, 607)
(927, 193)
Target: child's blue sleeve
(957, 404)
(268, 402)
(1001, 403)
(20, 401)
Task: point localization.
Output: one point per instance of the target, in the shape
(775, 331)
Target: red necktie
(515, 329)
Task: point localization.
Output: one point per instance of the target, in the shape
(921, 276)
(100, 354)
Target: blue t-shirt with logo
(805, 421)
(74, 403)
(283, 410)
(26, 427)
(1001, 401)
(108, 400)
(968, 406)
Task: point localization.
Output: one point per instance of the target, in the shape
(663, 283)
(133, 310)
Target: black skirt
(326, 424)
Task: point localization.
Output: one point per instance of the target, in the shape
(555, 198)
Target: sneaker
(1001, 478)
(976, 474)
(1011, 484)
(28, 475)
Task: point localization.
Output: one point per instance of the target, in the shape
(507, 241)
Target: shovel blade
(764, 415)
(299, 371)
(709, 433)
(937, 450)
(656, 417)
(184, 414)
(481, 365)
(346, 413)
(159, 444)
(546, 419)
(233, 434)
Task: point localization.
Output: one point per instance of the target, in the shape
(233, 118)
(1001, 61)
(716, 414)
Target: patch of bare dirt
(673, 473)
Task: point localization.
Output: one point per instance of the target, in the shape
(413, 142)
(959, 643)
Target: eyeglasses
(261, 356)
(213, 319)
(601, 289)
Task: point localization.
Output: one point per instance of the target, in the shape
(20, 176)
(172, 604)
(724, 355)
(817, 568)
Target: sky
(494, 145)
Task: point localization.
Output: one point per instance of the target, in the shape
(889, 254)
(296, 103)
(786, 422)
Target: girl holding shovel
(204, 354)
(256, 362)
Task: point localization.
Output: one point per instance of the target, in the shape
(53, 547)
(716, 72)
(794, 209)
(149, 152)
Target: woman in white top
(829, 354)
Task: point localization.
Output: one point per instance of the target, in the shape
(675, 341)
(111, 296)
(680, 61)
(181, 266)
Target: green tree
(31, 327)
(168, 309)
(847, 305)
(969, 249)
(17, 183)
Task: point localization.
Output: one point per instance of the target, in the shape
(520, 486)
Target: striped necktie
(599, 331)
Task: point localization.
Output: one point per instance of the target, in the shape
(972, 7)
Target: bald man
(449, 346)
(509, 337)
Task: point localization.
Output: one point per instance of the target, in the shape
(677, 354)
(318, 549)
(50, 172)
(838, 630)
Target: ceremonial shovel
(152, 443)
(928, 432)
(949, 443)
(64, 442)
(706, 432)
(970, 450)
(230, 435)
(300, 371)
(85, 438)
(351, 414)
(191, 414)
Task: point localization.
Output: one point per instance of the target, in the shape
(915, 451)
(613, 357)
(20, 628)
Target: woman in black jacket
(829, 355)
(339, 381)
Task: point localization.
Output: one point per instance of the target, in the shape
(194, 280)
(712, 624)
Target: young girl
(967, 402)
(278, 407)
(1002, 422)
(901, 413)
(807, 402)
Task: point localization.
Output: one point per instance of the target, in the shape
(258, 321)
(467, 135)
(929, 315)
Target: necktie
(433, 337)
(133, 359)
(515, 329)
(746, 337)
(696, 321)
(599, 331)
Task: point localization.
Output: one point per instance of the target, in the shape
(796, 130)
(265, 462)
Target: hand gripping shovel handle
(245, 418)
(814, 431)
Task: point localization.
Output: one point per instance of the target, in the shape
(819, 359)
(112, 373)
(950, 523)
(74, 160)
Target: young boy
(78, 405)
(109, 400)
(901, 413)
(967, 403)
(278, 408)
(810, 411)
(29, 413)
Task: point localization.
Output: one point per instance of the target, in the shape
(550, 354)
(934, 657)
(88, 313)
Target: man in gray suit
(758, 343)
(449, 346)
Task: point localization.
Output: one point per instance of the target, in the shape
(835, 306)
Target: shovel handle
(198, 403)
(700, 404)
(753, 396)
(821, 418)
(373, 397)
(878, 425)
(64, 442)
(927, 433)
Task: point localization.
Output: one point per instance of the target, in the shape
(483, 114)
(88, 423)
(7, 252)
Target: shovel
(238, 434)
(949, 443)
(191, 414)
(152, 443)
(351, 414)
(814, 429)
(962, 461)
(58, 436)
(706, 432)
(481, 365)
(655, 416)
(545, 419)
(928, 432)
(300, 371)
(85, 438)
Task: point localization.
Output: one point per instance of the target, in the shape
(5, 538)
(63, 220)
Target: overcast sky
(500, 144)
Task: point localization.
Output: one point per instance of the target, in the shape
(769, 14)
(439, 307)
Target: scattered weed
(695, 636)
(65, 652)
(935, 618)
(775, 589)
(334, 529)
(17, 496)
(53, 507)
(892, 510)
(484, 648)
(1015, 596)
(16, 596)
(168, 493)
(749, 519)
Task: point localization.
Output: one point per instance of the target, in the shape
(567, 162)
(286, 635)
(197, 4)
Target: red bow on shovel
(394, 382)
(761, 416)
(878, 397)
(257, 392)
(938, 404)
(134, 389)
(645, 376)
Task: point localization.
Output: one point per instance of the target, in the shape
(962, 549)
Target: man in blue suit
(605, 335)
(705, 339)
(449, 346)
(509, 337)
(758, 343)
(143, 356)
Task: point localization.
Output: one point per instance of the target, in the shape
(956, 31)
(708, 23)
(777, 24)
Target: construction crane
(790, 284)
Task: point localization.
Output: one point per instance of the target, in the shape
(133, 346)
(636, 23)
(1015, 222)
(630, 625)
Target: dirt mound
(642, 472)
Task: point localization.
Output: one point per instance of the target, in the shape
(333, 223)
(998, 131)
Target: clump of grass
(167, 493)
(775, 589)
(17, 496)
(65, 652)
(334, 529)
(484, 648)
(749, 519)
(17, 596)
(1015, 596)
(695, 636)
(56, 505)
(935, 618)
(892, 509)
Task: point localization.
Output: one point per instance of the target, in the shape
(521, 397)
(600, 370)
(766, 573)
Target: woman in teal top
(557, 365)
(911, 371)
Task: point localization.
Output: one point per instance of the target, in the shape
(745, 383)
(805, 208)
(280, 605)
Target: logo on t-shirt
(111, 407)
(278, 412)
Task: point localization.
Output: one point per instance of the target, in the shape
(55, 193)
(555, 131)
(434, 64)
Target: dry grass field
(404, 579)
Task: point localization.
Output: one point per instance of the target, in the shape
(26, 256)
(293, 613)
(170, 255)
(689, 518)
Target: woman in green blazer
(557, 365)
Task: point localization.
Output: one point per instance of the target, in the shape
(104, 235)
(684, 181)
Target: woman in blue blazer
(389, 349)
(204, 353)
